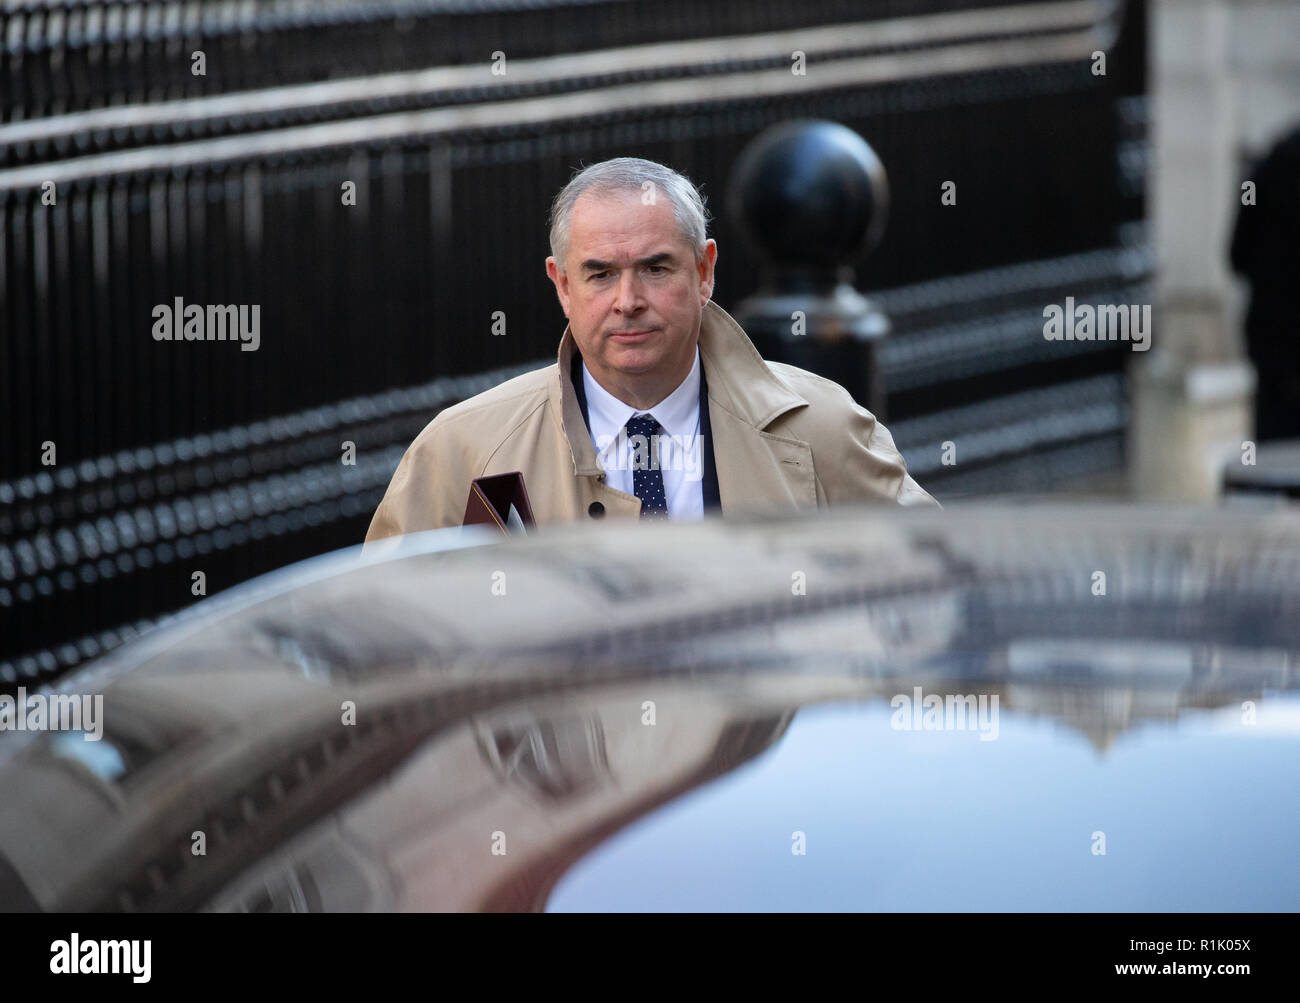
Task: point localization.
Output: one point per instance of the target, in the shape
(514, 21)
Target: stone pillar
(1192, 393)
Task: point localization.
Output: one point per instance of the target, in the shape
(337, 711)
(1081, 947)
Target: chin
(634, 355)
(634, 366)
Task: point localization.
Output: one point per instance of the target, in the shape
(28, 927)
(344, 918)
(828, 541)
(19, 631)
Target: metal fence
(127, 182)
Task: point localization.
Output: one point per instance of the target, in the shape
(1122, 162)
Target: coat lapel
(755, 468)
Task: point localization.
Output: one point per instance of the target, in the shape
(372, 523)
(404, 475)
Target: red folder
(492, 498)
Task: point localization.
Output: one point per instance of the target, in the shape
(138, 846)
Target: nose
(628, 297)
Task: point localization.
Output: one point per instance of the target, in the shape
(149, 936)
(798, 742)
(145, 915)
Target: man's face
(633, 292)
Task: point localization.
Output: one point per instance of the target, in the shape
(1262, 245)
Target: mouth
(626, 336)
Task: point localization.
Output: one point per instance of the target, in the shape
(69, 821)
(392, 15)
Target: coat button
(596, 510)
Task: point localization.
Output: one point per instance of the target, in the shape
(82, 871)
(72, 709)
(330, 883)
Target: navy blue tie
(647, 478)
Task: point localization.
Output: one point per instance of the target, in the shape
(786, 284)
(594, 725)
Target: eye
(658, 268)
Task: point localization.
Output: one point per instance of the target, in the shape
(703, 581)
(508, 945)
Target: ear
(561, 281)
(706, 270)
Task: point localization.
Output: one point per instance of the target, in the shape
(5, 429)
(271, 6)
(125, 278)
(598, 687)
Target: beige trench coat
(783, 439)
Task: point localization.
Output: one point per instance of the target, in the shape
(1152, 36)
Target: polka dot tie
(647, 478)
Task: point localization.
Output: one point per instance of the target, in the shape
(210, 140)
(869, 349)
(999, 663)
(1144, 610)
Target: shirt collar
(678, 413)
(740, 383)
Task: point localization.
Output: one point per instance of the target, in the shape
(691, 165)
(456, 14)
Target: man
(1265, 249)
(659, 405)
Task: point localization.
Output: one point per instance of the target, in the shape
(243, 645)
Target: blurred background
(374, 177)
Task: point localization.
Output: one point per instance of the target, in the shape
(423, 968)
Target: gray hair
(624, 174)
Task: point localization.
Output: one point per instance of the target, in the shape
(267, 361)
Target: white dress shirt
(680, 454)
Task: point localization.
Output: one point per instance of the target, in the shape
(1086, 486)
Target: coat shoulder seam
(513, 429)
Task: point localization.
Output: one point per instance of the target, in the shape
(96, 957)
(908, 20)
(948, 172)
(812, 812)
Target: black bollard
(809, 196)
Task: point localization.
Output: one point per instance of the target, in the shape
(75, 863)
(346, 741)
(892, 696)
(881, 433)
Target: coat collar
(739, 381)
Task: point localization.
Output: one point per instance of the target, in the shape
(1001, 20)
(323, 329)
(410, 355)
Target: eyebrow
(595, 265)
